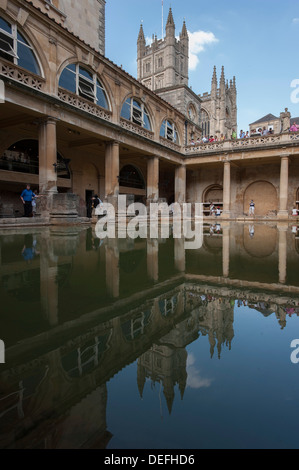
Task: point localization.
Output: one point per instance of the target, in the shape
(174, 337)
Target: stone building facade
(163, 67)
(74, 123)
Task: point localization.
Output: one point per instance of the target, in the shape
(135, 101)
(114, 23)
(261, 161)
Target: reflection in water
(77, 311)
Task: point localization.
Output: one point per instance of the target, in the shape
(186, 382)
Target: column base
(282, 215)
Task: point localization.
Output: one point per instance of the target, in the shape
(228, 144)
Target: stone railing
(171, 145)
(251, 142)
(130, 126)
(83, 104)
(18, 74)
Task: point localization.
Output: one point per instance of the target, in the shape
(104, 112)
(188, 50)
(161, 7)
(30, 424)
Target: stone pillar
(282, 253)
(47, 156)
(153, 259)
(112, 172)
(179, 254)
(283, 188)
(153, 179)
(226, 190)
(225, 250)
(180, 184)
(48, 281)
(112, 269)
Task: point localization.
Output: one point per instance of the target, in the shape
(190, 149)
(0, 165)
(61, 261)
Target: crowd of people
(257, 132)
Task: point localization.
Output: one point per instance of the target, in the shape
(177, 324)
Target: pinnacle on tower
(184, 33)
(170, 26)
(214, 78)
(222, 78)
(141, 38)
(170, 20)
(234, 82)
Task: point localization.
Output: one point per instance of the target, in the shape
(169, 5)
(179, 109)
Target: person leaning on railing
(294, 128)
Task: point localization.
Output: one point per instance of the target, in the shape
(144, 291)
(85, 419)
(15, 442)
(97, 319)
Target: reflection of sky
(194, 379)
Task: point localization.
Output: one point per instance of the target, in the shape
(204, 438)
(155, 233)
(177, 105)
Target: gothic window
(136, 112)
(191, 113)
(80, 81)
(15, 48)
(169, 132)
(205, 123)
(160, 62)
(148, 67)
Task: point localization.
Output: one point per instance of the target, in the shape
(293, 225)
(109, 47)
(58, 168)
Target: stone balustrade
(21, 75)
(250, 143)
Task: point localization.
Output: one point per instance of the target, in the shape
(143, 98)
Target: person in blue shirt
(27, 196)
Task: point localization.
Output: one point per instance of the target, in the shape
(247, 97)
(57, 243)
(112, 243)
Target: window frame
(14, 49)
(170, 131)
(142, 110)
(81, 79)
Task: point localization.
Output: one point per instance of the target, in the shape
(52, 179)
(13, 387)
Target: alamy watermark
(2, 352)
(295, 353)
(187, 221)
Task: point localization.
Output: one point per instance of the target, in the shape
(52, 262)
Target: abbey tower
(163, 67)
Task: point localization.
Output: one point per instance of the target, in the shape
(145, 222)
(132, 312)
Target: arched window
(136, 112)
(131, 177)
(205, 123)
(169, 132)
(80, 81)
(15, 48)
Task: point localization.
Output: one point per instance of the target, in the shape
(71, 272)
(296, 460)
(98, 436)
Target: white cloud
(197, 44)
(295, 20)
(194, 380)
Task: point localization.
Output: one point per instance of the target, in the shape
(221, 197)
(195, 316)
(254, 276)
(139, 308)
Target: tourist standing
(27, 196)
(251, 207)
(234, 134)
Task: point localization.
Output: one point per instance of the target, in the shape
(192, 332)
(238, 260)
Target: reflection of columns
(153, 179)
(282, 253)
(180, 184)
(112, 270)
(153, 259)
(226, 190)
(283, 191)
(179, 254)
(48, 284)
(225, 251)
(47, 156)
(112, 171)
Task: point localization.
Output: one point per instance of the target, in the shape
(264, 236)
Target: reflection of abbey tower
(165, 365)
(166, 362)
(163, 67)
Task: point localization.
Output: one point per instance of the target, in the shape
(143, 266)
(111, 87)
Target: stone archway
(264, 196)
(213, 193)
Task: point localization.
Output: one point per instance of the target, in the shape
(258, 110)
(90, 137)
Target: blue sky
(257, 41)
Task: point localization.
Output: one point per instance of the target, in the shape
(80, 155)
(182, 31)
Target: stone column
(112, 269)
(282, 253)
(153, 179)
(225, 250)
(180, 184)
(153, 259)
(47, 156)
(179, 254)
(283, 188)
(112, 172)
(226, 190)
(48, 280)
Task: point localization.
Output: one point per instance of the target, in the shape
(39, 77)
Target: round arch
(213, 193)
(130, 176)
(192, 111)
(102, 80)
(264, 196)
(146, 106)
(23, 156)
(176, 127)
(34, 43)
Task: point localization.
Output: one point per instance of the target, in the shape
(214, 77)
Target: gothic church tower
(164, 63)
